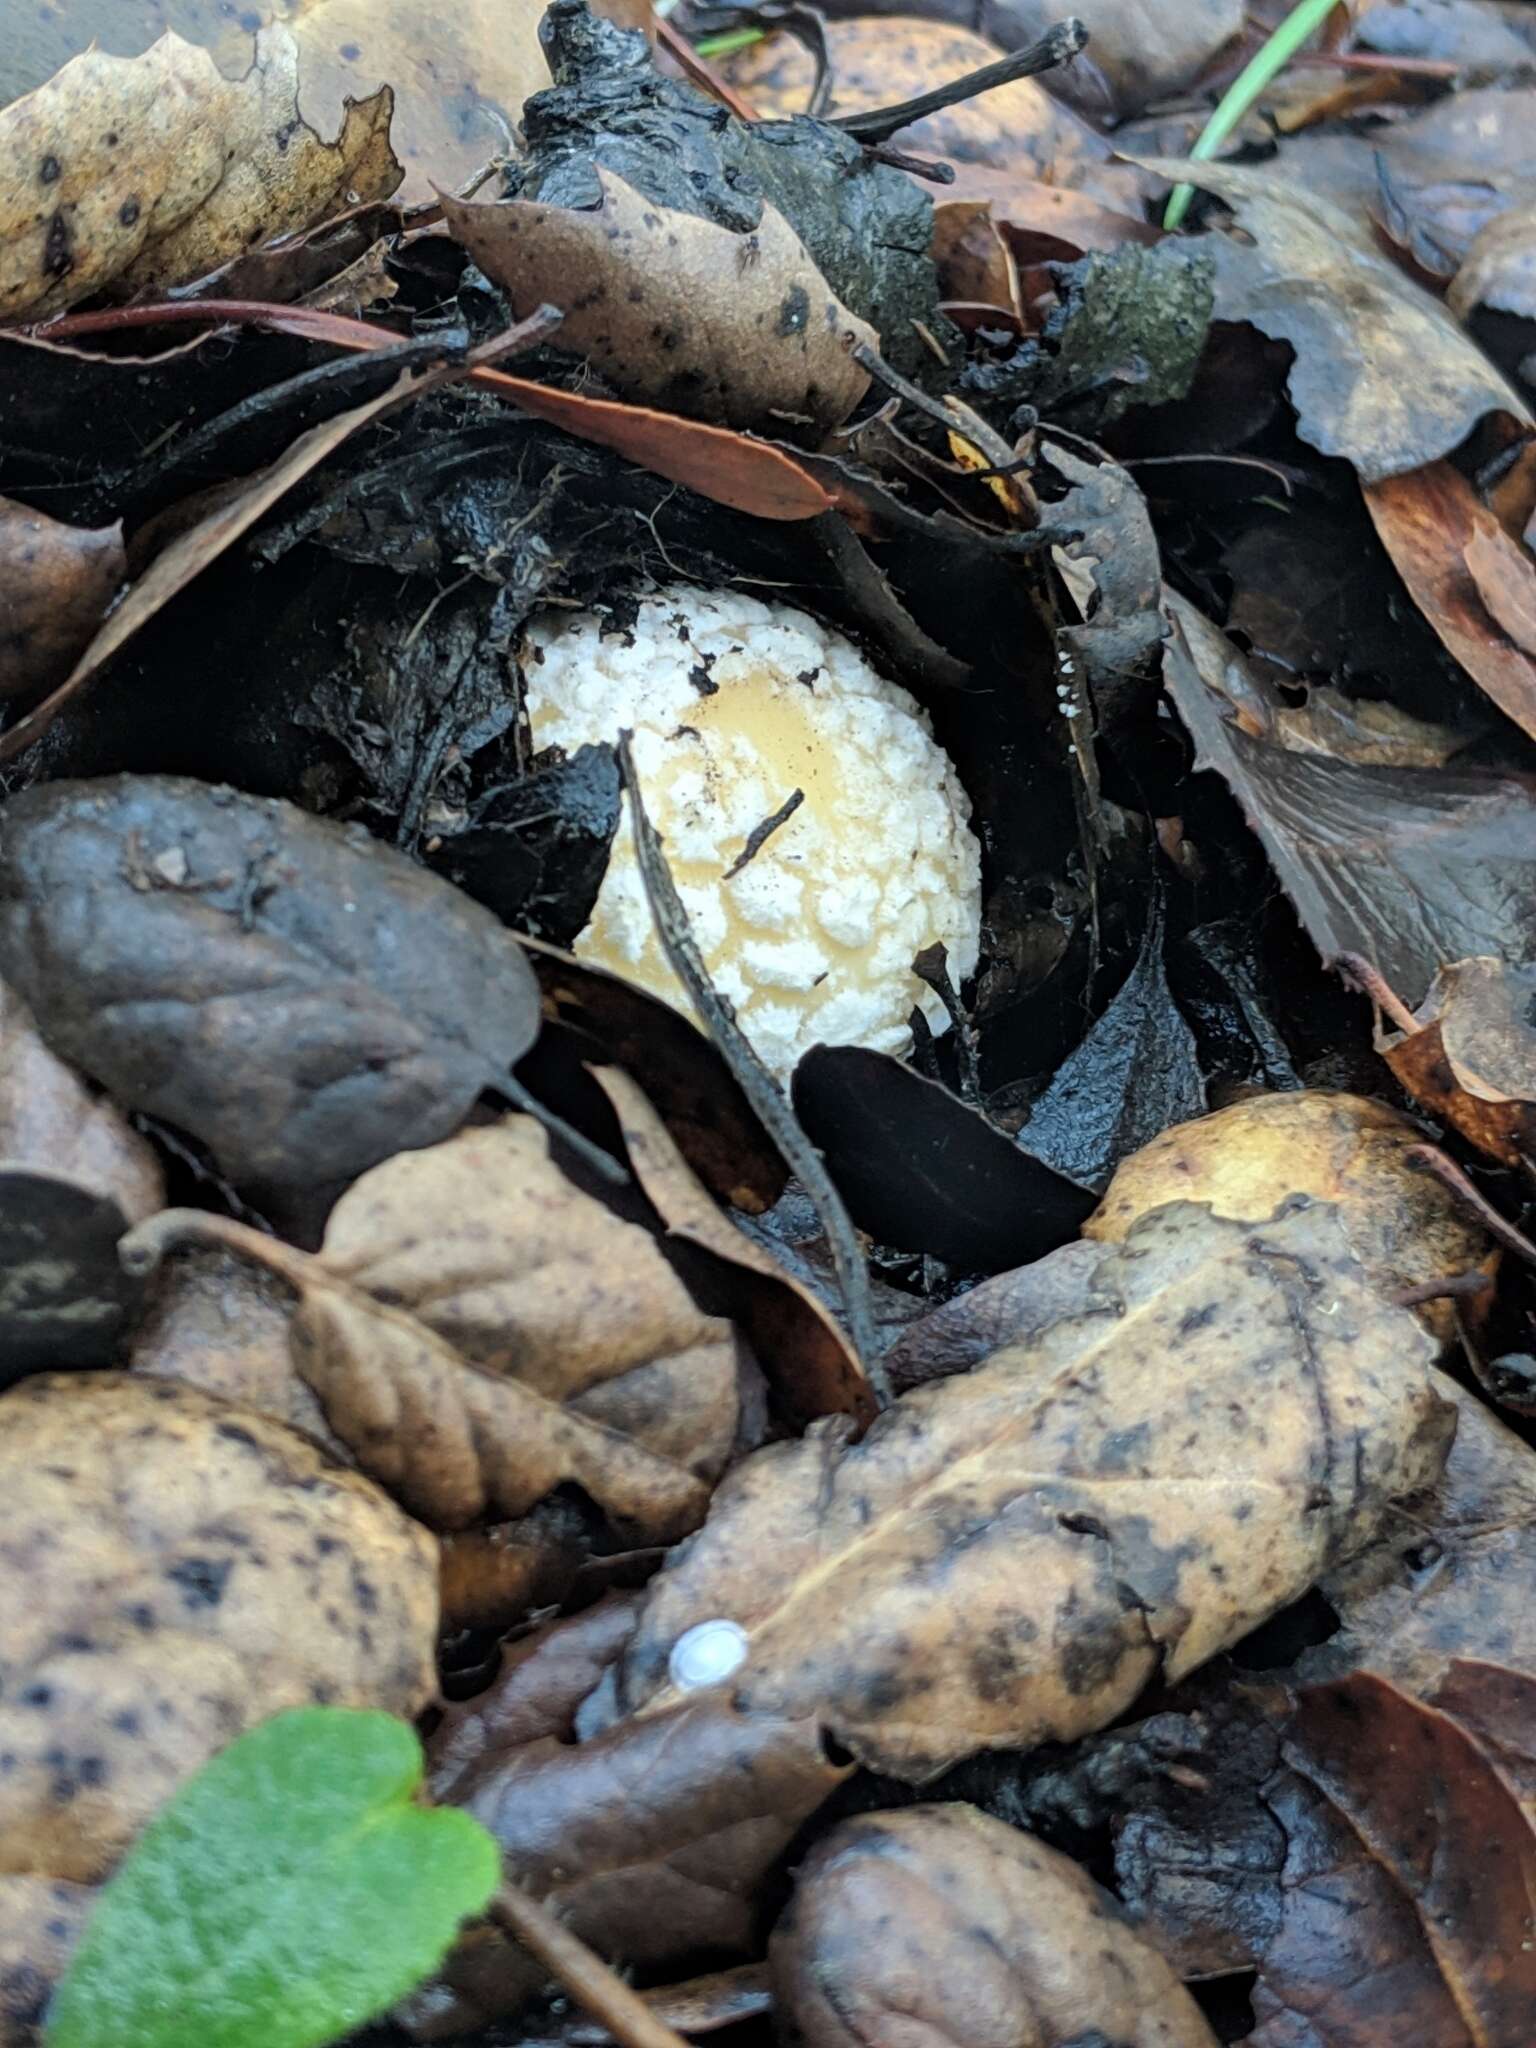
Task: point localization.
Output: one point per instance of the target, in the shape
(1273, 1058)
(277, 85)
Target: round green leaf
(290, 1891)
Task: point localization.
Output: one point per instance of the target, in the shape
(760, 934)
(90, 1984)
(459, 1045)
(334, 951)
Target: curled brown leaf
(479, 1331)
(944, 1924)
(56, 582)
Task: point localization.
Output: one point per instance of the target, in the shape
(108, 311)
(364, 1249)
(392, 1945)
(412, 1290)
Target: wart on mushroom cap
(748, 715)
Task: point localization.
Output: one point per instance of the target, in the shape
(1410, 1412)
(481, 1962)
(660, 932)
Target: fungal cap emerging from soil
(736, 706)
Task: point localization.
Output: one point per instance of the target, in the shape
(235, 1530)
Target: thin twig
(1355, 970)
(1454, 1287)
(759, 836)
(757, 1084)
(1451, 1177)
(588, 1979)
(953, 419)
(879, 124)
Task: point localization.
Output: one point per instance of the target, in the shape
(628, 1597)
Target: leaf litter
(403, 1314)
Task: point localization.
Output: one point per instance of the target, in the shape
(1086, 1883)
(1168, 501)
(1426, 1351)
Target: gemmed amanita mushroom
(817, 832)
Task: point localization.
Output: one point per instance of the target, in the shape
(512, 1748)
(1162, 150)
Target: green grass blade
(1303, 21)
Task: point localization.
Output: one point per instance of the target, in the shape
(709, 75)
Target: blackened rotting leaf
(1129, 330)
(1137, 1072)
(303, 1000)
(535, 851)
(920, 1169)
(867, 226)
(1222, 991)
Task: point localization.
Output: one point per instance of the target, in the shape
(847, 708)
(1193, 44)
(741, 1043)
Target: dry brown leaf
(1454, 556)
(1144, 50)
(217, 1322)
(144, 172)
(56, 582)
(675, 311)
(804, 1353)
(173, 1569)
(1009, 1555)
(974, 263)
(1383, 376)
(479, 1332)
(1505, 575)
(1471, 1055)
(651, 1840)
(73, 1177)
(1403, 1226)
(942, 1924)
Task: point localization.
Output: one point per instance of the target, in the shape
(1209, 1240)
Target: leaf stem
(588, 1979)
(1304, 19)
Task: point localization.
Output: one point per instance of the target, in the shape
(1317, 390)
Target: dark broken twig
(757, 1084)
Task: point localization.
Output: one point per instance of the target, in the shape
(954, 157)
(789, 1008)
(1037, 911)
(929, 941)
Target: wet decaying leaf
(640, 287)
(651, 1839)
(1443, 1819)
(1444, 1579)
(56, 581)
(1135, 1073)
(1010, 1554)
(1383, 374)
(535, 850)
(144, 172)
(922, 1169)
(176, 1568)
(866, 226)
(1001, 1940)
(231, 514)
(73, 1177)
(479, 1331)
(1402, 1225)
(299, 997)
(808, 1360)
(1408, 868)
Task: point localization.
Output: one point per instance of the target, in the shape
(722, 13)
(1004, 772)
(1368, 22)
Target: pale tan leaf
(1010, 1554)
(140, 173)
(674, 310)
(173, 1569)
(479, 1331)
(1004, 1944)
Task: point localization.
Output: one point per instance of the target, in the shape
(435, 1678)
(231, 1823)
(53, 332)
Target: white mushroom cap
(735, 705)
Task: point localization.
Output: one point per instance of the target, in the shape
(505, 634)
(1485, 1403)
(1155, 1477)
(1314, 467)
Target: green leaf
(290, 1891)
